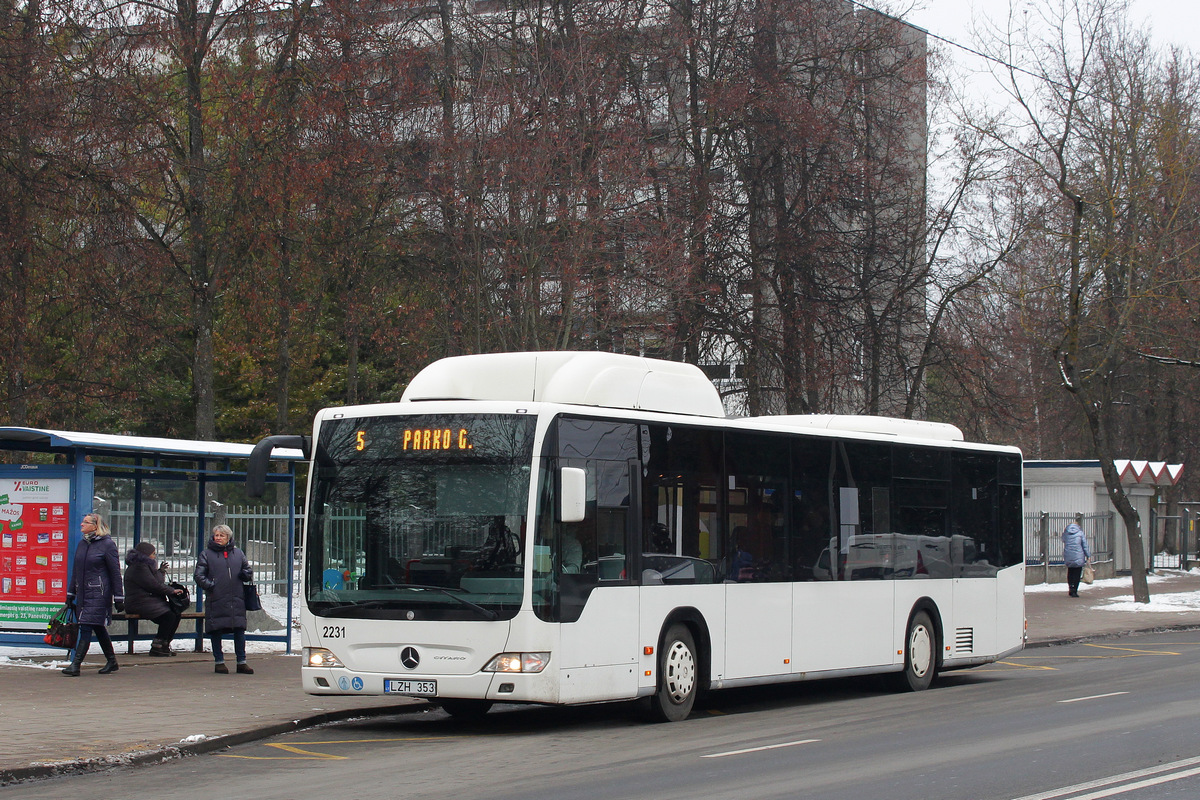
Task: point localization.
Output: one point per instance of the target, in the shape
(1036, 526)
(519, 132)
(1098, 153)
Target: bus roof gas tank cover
(607, 380)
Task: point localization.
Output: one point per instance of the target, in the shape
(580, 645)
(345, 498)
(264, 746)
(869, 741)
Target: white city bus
(579, 527)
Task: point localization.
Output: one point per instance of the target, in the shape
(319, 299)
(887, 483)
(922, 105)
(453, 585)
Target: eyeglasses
(91, 522)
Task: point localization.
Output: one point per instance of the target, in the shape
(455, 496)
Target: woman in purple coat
(94, 588)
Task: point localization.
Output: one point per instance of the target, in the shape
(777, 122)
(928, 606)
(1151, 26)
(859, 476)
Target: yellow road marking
(309, 755)
(1119, 652)
(1135, 651)
(1020, 666)
(390, 739)
(306, 755)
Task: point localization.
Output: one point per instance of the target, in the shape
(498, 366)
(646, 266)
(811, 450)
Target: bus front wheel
(678, 677)
(920, 653)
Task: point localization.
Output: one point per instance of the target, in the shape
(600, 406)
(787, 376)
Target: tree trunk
(1120, 501)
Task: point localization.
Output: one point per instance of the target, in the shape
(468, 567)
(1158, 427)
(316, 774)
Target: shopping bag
(62, 630)
(179, 602)
(250, 595)
(1088, 575)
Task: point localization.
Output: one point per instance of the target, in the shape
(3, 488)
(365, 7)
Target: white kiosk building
(1063, 490)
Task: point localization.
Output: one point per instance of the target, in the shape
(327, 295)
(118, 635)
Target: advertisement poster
(33, 549)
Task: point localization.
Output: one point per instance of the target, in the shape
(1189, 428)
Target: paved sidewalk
(157, 708)
(1053, 617)
(154, 708)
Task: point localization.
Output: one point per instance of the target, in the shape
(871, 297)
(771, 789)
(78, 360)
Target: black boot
(111, 665)
(160, 648)
(72, 669)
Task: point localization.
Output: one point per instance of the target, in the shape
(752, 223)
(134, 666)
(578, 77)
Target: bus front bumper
(498, 687)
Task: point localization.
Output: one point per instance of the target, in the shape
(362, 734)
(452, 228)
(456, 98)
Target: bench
(131, 625)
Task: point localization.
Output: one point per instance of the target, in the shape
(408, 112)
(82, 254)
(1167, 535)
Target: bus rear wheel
(466, 709)
(678, 677)
(920, 654)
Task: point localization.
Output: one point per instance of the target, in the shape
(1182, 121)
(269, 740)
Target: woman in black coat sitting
(146, 593)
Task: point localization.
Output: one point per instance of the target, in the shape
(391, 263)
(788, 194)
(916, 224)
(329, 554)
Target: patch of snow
(1173, 603)
(21, 657)
(1158, 577)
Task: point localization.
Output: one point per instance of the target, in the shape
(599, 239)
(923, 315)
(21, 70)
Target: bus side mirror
(260, 459)
(572, 495)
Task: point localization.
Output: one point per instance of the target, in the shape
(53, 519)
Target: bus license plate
(416, 688)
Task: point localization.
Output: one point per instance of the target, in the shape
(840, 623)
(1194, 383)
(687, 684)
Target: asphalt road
(1109, 719)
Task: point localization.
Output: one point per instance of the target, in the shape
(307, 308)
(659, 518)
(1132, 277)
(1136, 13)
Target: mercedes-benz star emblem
(410, 658)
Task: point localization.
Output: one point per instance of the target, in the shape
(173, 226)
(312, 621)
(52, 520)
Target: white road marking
(1092, 697)
(760, 749)
(1108, 786)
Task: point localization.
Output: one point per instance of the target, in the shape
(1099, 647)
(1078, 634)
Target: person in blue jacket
(94, 588)
(1075, 555)
(222, 570)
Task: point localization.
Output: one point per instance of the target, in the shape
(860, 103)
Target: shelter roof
(42, 439)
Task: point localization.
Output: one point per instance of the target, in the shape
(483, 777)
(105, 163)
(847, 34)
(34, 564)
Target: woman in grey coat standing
(221, 571)
(94, 588)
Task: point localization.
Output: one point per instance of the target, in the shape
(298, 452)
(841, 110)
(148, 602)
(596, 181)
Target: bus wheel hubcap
(919, 650)
(680, 672)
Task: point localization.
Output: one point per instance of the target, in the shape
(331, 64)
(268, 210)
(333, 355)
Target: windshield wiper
(484, 612)
(356, 604)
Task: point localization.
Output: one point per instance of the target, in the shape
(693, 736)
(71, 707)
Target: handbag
(250, 596)
(1088, 575)
(179, 603)
(63, 629)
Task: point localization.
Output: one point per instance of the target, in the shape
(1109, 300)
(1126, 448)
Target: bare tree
(1107, 228)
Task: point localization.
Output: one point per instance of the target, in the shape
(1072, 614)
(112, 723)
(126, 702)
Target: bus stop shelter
(169, 492)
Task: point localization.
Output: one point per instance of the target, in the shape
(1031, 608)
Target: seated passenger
(658, 540)
(741, 566)
(572, 554)
(501, 548)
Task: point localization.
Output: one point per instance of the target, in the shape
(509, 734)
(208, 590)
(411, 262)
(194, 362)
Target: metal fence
(177, 534)
(1043, 536)
(1174, 544)
(345, 546)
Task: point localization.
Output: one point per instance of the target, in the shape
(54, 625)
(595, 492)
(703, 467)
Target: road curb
(53, 769)
(1089, 637)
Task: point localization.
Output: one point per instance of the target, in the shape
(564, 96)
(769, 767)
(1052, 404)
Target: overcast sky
(1173, 22)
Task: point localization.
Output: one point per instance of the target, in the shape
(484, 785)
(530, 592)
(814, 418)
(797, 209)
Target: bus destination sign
(423, 439)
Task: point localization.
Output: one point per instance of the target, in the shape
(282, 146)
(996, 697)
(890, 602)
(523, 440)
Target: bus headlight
(518, 662)
(320, 657)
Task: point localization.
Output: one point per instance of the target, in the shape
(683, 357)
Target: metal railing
(1173, 537)
(345, 546)
(1043, 536)
(179, 532)
(260, 531)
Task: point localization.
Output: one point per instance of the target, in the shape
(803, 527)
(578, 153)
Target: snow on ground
(1179, 601)
(1159, 602)
(1161, 576)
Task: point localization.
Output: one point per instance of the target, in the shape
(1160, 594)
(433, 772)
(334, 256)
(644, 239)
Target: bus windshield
(419, 516)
